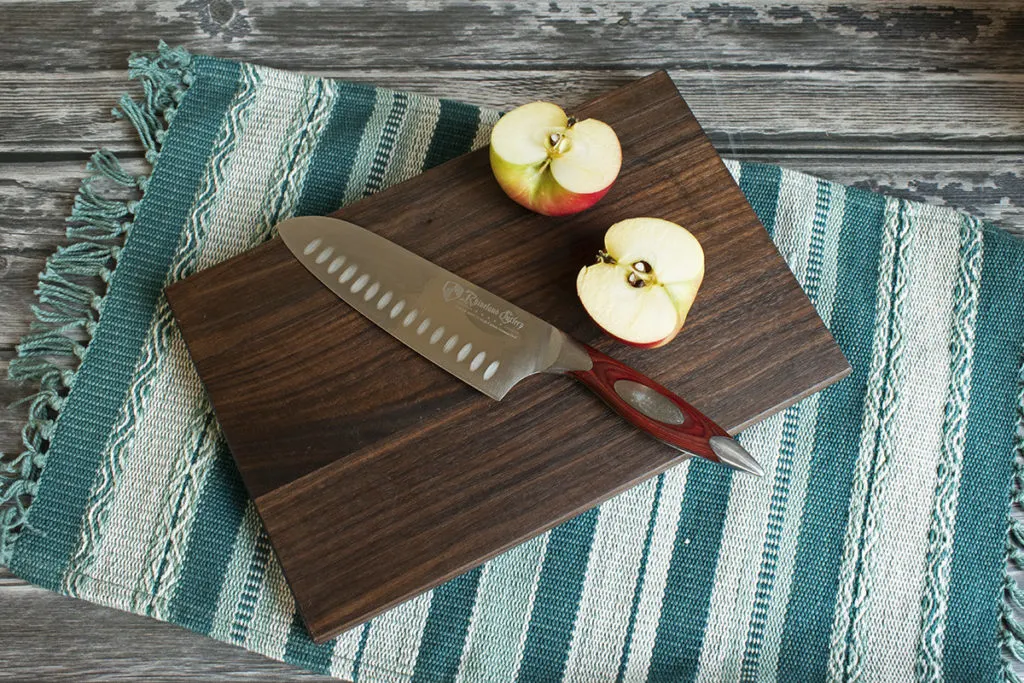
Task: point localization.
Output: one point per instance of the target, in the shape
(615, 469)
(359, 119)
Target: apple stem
(604, 257)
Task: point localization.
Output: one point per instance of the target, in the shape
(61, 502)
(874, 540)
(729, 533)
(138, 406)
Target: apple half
(644, 282)
(550, 162)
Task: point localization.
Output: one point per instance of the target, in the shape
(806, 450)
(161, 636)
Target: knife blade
(486, 341)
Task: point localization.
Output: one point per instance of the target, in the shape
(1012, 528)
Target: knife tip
(731, 453)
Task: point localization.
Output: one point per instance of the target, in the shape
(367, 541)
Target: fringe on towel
(1011, 630)
(73, 283)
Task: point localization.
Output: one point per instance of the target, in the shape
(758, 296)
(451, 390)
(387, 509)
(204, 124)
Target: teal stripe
(302, 651)
(444, 634)
(358, 661)
(251, 589)
(558, 599)
(44, 548)
(335, 153)
(760, 183)
(971, 651)
(218, 514)
(691, 573)
(803, 653)
(770, 549)
(386, 144)
(638, 589)
(456, 127)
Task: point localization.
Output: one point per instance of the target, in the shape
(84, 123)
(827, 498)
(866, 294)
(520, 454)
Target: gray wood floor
(926, 103)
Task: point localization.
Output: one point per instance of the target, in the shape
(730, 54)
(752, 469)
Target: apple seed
(635, 280)
(642, 267)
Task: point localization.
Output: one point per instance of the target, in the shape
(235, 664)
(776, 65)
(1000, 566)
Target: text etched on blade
(502, 320)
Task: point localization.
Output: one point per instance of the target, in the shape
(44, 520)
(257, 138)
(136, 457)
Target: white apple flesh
(644, 282)
(551, 163)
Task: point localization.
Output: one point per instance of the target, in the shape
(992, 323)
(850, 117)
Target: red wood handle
(649, 406)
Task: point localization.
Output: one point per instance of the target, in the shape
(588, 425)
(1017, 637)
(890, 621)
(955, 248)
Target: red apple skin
(547, 198)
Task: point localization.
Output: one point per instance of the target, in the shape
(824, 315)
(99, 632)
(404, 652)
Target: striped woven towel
(873, 549)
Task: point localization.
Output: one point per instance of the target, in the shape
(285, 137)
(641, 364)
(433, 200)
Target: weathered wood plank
(39, 36)
(35, 197)
(743, 111)
(100, 644)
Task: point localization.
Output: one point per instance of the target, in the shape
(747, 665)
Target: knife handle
(651, 407)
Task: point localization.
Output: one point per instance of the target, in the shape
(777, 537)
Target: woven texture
(873, 549)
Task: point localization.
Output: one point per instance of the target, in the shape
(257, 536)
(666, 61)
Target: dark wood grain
(378, 475)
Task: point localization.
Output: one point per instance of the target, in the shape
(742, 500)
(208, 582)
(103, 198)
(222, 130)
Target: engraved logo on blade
(500, 319)
(453, 290)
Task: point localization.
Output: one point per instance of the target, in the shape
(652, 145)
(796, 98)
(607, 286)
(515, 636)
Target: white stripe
(345, 648)
(501, 615)
(733, 167)
(658, 560)
(313, 117)
(240, 219)
(602, 617)
(394, 641)
(413, 139)
(739, 557)
(892, 614)
(869, 438)
(488, 118)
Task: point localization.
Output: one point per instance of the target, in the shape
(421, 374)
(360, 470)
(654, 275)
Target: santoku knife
(486, 341)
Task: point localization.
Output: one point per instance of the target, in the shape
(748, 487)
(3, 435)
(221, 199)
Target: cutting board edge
(320, 636)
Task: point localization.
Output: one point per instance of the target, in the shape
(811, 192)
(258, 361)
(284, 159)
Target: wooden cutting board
(378, 475)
